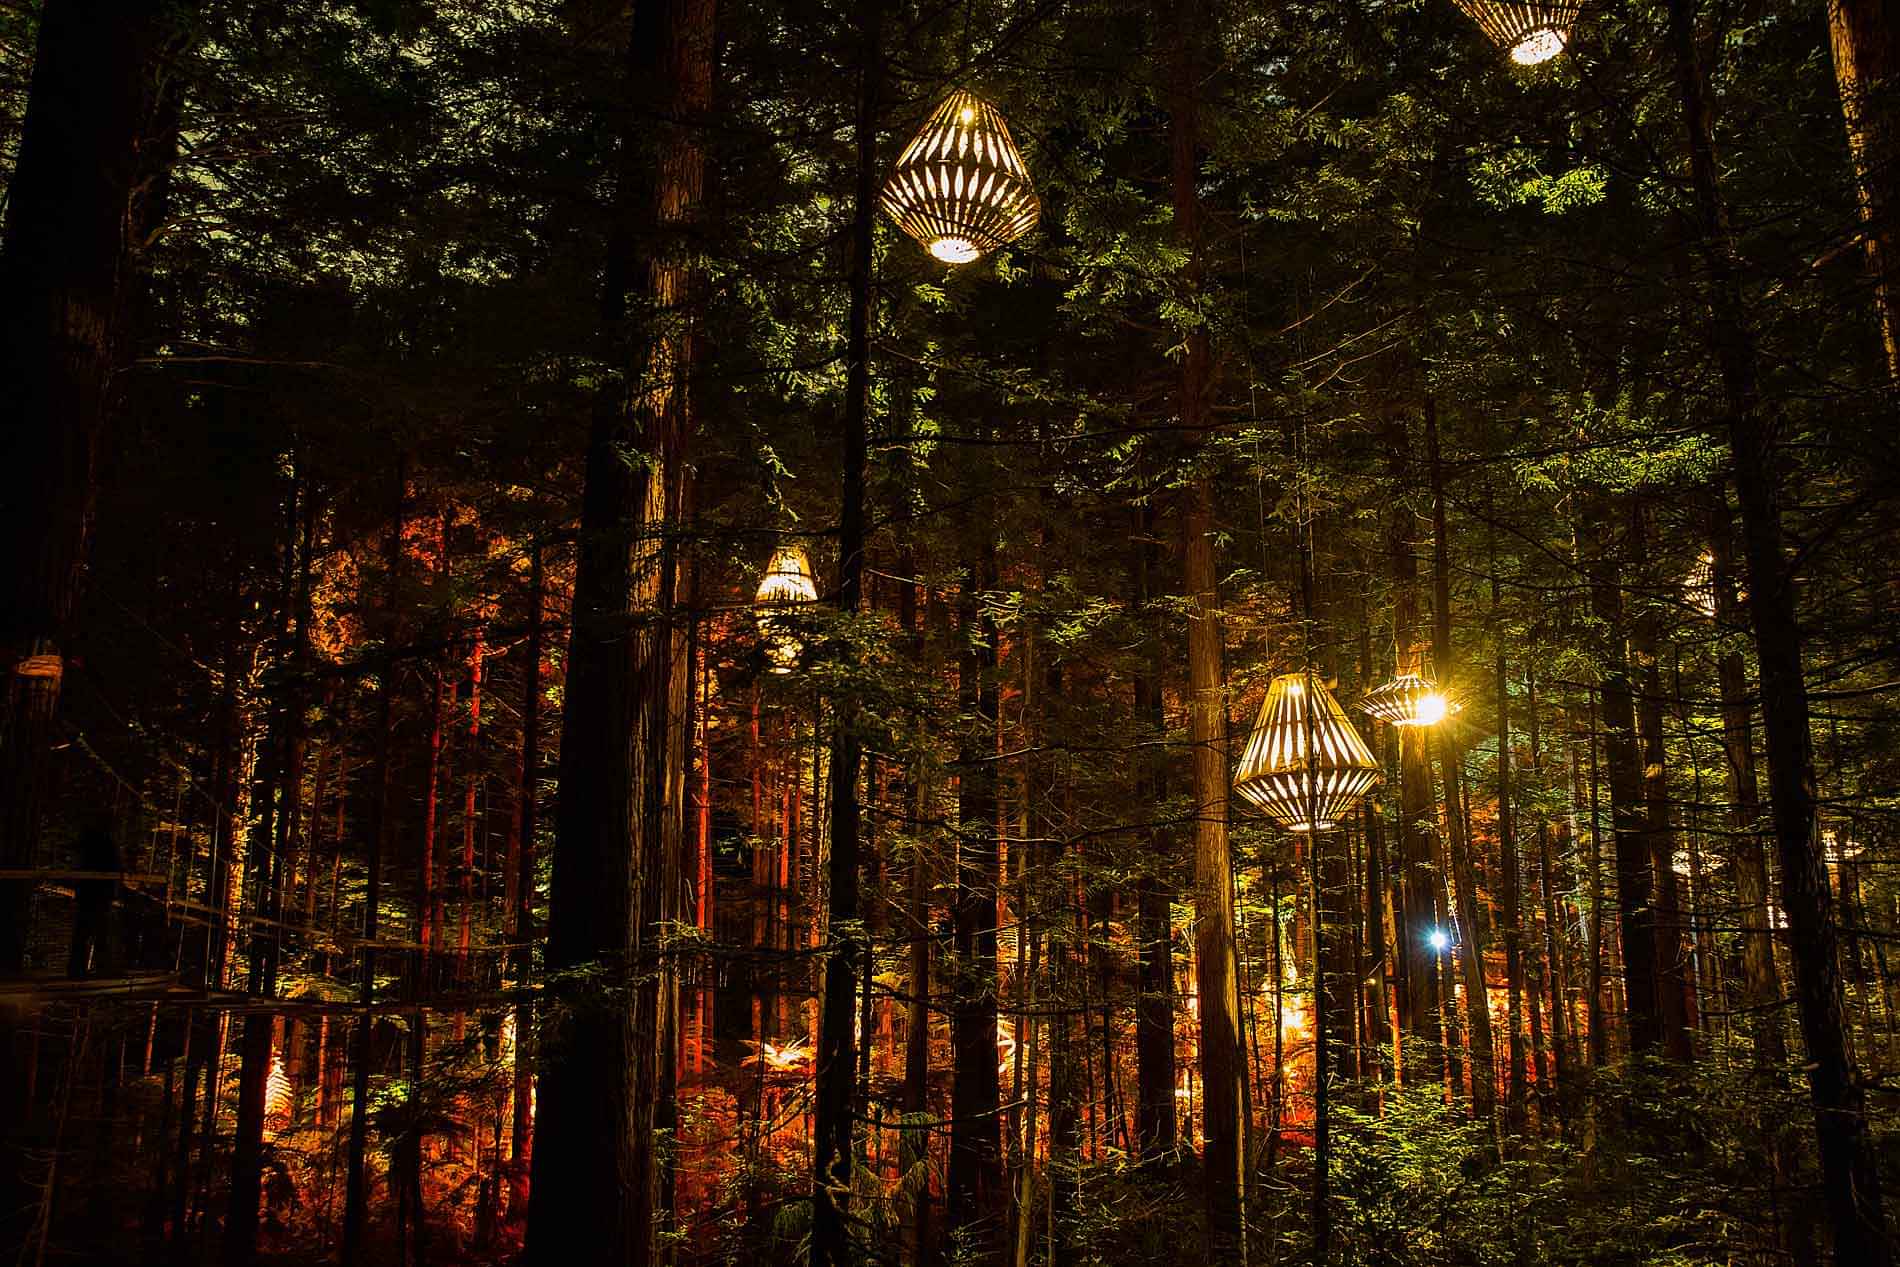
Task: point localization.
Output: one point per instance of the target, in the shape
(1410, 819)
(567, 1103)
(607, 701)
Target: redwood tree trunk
(1761, 977)
(605, 1076)
(1155, 1125)
(976, 1193)
(1866, 42)
(837, 1043)
(1635, 877)
(1217, 975)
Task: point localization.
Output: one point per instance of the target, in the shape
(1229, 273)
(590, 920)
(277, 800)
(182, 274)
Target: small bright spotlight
(1432, 708)
(1539, 46)
(1438, 940)
(966, 116)
(954, 250)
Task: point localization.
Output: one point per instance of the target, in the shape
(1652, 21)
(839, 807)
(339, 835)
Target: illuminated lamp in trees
(1531, 31)
(960, 187)
(1698, 587)
(787, 584)
(1304, 765)
(1411, 700)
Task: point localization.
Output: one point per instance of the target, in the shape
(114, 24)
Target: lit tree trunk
(976, 1194)
(1553, 926)
(1851, 1180)
(275, 766)
(1635, 877)
(356, 1199)
(1471, 931)
(1421, 1055)
(521, 925)
(1866, 43)
(915, 1146)
(1216, 968)
(602, 1089)
(837, 1044)
(1509, 891)
(1155, 1130)
(1761, 978)
(1675, 989)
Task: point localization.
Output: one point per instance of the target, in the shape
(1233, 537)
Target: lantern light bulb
(954, 250)
(1432, 708)
(1438, 940)
(1538, 47)
(966, 115)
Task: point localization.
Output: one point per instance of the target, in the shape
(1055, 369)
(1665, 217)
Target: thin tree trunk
(1463, 874)
(1761, 979)
(1156, 1128)
(1511, 899)
(837, 1044)
(976, 1194)
(521, 1125)
(1421, 1051)
(356, 1199)
(1635, 878)
(1675, 988)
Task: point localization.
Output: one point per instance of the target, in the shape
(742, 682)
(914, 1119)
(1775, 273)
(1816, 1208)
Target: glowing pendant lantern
(1699, 586)
(960, 187)
(1531, 31)
(1304, 765)
(1410, 700)
(788, 583)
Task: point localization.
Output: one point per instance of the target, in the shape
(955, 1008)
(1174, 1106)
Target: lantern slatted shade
(1301, 791)
(960, 187)
(1532, 31)
(1410, 700)
(787, 583)
(1699, 586)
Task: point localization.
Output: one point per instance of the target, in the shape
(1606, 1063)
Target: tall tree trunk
(1421, 1055)
(72, 228)
(837, 1043)
(1471, 930)
(1675, 986)
(1850, 1179)
(1510, 895)
(1599, 1037)
(1635, 878)
(1761, 978)
(1216, 967)
(1866, 41)
(1553, 926)
(1155, 1129)
(976, 1194)
(602, 1088)
(521, 1124)
(356, 1194)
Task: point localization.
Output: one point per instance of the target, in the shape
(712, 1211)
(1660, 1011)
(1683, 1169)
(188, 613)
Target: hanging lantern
(1304, 791)
(1531, 31)
(788, 583)
(1698, 587)
(960, 187)
(1410, 700)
